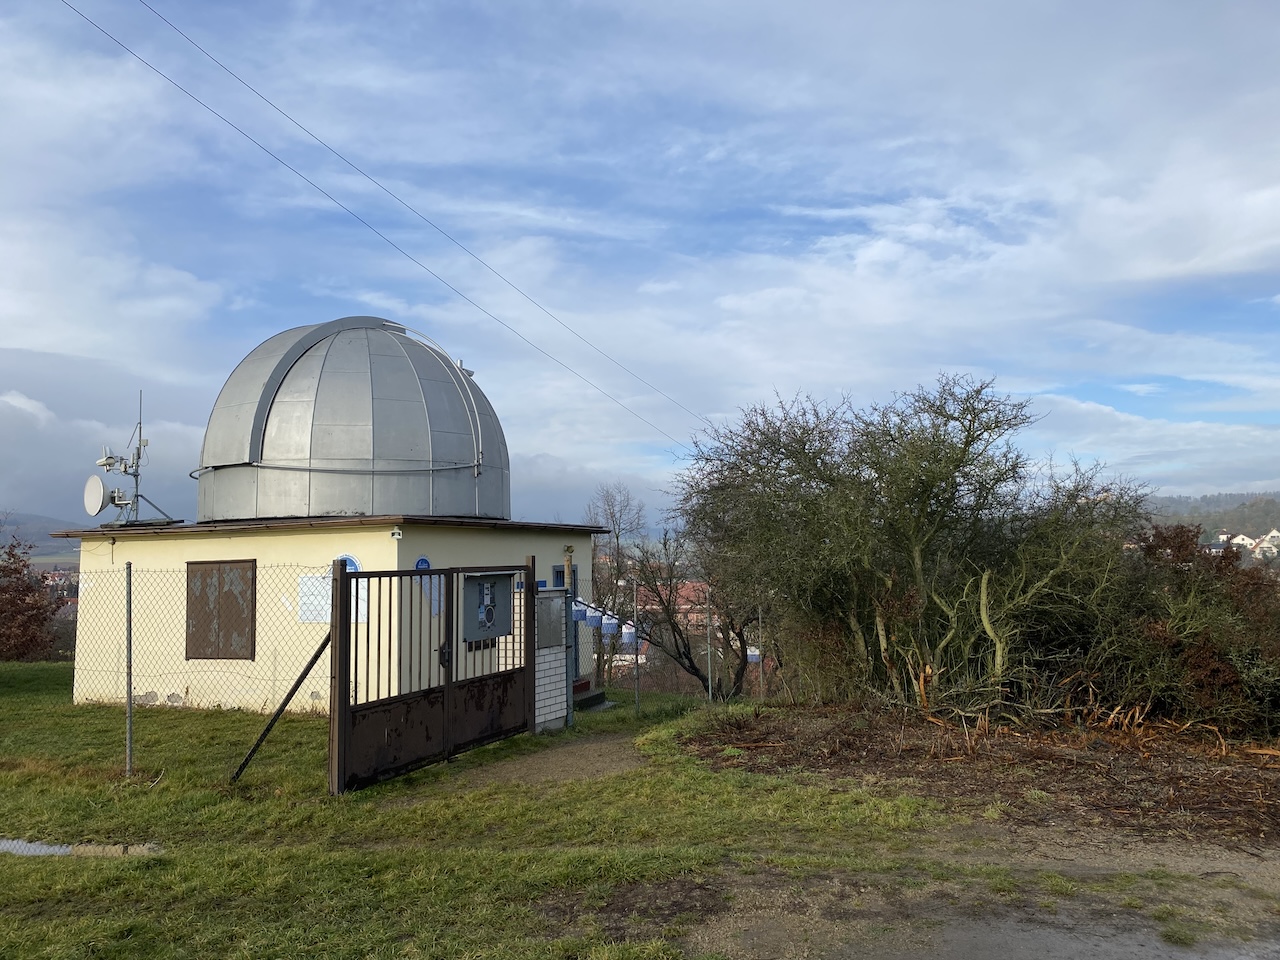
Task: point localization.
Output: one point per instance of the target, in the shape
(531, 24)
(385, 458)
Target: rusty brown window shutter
(221, 609)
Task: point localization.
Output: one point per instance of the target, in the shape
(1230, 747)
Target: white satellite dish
(96, 496)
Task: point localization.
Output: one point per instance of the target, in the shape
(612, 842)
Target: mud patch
(777, 917)
(637, 911)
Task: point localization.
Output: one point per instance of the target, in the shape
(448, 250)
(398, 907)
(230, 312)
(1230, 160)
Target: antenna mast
(98, 498)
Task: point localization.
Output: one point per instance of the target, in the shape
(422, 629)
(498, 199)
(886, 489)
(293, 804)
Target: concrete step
(585, 701)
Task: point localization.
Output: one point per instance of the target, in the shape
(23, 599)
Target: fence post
(339, 677)
(760, 645)
(635, 637)
(530, 630)
(128, 668)
(708, 641)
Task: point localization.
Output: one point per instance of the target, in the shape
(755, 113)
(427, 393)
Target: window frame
(207, 630)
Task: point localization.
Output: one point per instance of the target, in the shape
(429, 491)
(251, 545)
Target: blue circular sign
(422, 564)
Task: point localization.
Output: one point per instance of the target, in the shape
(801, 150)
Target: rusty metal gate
(426, 664)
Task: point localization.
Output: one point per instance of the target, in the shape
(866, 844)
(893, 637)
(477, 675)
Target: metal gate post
(339, 678)
(531, 639)
(449, 654)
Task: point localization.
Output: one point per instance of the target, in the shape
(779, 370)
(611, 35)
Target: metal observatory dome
(355, 417)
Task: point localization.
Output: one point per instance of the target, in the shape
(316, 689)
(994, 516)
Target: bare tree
(678, 593)
(614, 507)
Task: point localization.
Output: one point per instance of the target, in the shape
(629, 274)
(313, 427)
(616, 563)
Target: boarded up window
(221, 609)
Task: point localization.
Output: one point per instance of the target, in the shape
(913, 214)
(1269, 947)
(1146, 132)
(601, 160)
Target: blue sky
(733, 198)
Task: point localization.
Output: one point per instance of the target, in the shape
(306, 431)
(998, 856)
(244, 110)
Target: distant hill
(1210, 503)
(1250, 513)
(35, 529)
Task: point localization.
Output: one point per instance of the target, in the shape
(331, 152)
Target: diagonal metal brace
(280, 709)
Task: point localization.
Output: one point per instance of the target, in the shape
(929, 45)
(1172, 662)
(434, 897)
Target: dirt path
(1124, 880)
(583, 759)
(1141, 843)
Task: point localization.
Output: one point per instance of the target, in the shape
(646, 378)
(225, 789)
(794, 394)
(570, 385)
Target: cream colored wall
(463, 547)
(372, 546)
(289, 564)
(459, 547)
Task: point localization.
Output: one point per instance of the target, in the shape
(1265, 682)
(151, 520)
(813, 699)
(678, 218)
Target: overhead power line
(382, 236)
(417, 213)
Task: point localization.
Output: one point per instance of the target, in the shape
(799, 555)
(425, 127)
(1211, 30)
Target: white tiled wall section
(552, 688)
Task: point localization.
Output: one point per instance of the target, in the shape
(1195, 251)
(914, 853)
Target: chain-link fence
(660, 672)
(237, 635)
(229, 635)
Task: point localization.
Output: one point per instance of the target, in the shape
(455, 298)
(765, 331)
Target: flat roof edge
(309, 523)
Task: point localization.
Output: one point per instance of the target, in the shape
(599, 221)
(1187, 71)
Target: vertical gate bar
(404, 632)
(419, 632)
(414, 634)
(362, 630)
(375, 627)
(446, 667)
(368, 623)
(388, 585)
(393, 647)
(389, 631)
(384, 629)
(395, 666)
(339, 678)
(371, 693)
(530, 651)
(392, 672)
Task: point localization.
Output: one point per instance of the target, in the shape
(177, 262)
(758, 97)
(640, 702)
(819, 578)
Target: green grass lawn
(422, 866)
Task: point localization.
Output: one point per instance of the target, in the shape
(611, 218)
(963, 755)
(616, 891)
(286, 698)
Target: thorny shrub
(1200, 640)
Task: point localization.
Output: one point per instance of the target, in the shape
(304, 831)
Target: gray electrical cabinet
(487, 606)
(553, 618)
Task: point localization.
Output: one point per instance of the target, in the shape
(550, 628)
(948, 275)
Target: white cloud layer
(730, 199)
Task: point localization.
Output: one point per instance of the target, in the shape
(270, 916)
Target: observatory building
(353, 440)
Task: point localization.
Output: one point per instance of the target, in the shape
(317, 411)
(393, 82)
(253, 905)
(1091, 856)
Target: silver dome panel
(353, 417)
